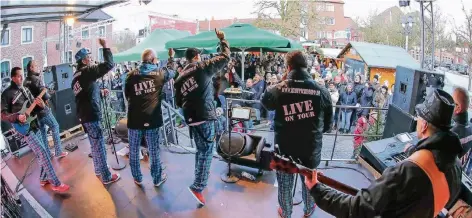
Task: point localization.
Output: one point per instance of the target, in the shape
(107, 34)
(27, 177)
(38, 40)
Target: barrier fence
(172, 132)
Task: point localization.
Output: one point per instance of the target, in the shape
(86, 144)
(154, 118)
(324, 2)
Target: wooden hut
(371, 59)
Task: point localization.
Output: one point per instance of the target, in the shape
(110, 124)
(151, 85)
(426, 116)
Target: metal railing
(170, 114)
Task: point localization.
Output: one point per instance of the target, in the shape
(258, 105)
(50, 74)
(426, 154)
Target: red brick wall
(54, 56)
(16, 51)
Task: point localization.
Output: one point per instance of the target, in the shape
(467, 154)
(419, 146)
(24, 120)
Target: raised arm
(99, 70)
(217, 63)
(169, 70)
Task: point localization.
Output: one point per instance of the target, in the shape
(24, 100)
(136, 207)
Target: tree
(124, 40)
(464, 34)
(292, 18)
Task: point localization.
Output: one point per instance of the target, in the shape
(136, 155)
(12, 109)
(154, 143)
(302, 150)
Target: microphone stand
(229, 177)
(119, 164)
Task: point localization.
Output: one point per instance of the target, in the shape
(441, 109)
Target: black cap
(437, 109)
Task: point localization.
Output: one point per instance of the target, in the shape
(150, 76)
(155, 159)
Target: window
(330, 20)
(100, 55)
(26, 35)
(25, 61)
(329, 7)
(340, 35)
(101, 31)
(5, 68)
(6, 38)
(85, 33)
(69, 56)
(321, 35)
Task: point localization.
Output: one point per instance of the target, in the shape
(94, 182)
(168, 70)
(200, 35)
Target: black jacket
(34, 83)
(13, 99)
(303, 111)
(143, 91)
(86, 89)
(403, 190)
(464, 131)
(194, 87)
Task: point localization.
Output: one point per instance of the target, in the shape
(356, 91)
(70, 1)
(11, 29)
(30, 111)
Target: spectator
(361, 127)
(334, 96)
(348, 98)
(366, 99)
(358, 86)
(381, 99)
(376, 83)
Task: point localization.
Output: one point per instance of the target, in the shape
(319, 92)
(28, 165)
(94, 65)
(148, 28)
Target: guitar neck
(33, 104)
(331, 182)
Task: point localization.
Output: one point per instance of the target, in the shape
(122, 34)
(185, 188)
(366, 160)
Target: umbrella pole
(242, 63)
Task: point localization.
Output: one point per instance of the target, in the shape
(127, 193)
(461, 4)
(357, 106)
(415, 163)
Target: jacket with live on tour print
(194, 91)
(143, 88)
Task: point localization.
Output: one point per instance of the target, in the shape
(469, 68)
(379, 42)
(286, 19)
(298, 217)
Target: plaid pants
(152, 141)
(204, 136)
(99, 153)
(44, 157)
(50, 121)
(286, 183)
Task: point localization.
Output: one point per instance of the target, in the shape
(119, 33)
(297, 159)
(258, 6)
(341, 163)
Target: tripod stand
(229, 177)
(119, 164)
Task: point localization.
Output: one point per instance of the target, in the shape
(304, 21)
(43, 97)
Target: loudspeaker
(413, 85)
(15, 141)
(398, 121)
(65, 109)
(62, 76)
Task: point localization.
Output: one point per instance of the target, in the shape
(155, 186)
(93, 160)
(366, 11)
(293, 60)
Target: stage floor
(89, 198)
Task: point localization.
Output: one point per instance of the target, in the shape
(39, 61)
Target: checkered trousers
(44, 157)
(152, 141)
(286, 185)
(50, 121)
(99, 153)
(204, 136)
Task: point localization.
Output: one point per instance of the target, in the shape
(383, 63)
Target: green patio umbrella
(156, 41)
(242, 36)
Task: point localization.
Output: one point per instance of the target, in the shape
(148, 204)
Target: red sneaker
(63, 154)
(61, 188)
(311, 211)
(280, 212)
(43, 183)
(198, 196)
(138, 183)
(115, 177)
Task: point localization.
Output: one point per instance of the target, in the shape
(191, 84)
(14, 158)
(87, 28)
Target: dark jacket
(348, 99)
(143, 90)
(359, 90)
(303, 111)
(366, 100)
(463, 130)
(259, 88)
(86, 89)
(13, 99)
(194, 87)
(34, 83)
(403, 190)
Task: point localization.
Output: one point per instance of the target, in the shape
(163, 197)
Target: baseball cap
(81, 54)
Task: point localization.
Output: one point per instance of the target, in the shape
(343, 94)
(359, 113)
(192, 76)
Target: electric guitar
(286, 165)
(23, 128)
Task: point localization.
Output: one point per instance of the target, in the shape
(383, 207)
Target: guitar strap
(26, 94)
(425, 160)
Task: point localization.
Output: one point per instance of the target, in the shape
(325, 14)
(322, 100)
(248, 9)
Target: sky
(225, 9)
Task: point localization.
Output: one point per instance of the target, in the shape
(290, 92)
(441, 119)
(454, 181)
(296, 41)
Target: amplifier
(376, 156)
(412, 86)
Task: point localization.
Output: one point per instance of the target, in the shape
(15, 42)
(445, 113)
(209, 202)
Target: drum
(240, 144)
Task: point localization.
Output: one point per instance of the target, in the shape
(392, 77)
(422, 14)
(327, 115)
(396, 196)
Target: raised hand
(102, 42)
(220, 34)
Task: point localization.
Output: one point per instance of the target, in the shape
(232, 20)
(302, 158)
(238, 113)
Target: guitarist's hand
(310, 183)
(21, 118)
(39, 102)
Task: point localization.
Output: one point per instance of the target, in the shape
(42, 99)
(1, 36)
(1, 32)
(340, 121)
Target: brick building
(334, 26)
(27, 41)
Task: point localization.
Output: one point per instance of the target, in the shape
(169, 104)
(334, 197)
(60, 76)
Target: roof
(15, 11)
(95, 16)
(382, 56)
(331, 52)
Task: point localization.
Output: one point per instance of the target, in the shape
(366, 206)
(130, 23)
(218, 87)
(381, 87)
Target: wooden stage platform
(89, 198)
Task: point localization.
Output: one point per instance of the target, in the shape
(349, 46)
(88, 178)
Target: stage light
(70, 21)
